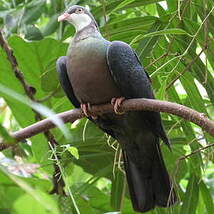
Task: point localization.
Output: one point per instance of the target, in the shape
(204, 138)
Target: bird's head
(78, 16)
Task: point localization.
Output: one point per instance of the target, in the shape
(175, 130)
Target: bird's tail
(148, 190)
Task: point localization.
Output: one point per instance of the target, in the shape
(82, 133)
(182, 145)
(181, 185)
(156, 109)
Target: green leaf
(6, 136)
(122, 4)
(147, 44)
(98, 11)
(161, 11)
(198, 67)
(195, 98)
(175, 31)
(42, 198)
(29, 204)
(49, 79)
(74, 151)
(33, 33)
(65, 205)
(128, 26)
(172, 5)
(118, 190)
(12, 193)
(41, 109)
(207, 197)
(98, 199)
(51, 26)
(42, 56)
(33, 11)
(191, 197)
(8, 79)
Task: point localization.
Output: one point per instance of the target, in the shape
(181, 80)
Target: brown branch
(157, 59)
(30, 92)
(128, 105)
(161, 57)
(196, 151)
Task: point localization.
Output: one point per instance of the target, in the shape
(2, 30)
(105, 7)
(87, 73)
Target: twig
(180, 57)
(196, 151)
(160, 57)
(186, 68)
(128, 105)
(46, 98)
(29, 90)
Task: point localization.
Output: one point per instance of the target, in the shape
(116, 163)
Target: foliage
(174, 42)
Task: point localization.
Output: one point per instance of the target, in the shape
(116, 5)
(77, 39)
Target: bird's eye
(79, 10)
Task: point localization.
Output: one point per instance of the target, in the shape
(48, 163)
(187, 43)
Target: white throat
(79, 21)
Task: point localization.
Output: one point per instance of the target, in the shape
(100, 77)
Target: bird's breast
(89, 74)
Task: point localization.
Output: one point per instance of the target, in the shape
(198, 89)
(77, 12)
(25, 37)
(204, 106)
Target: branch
(195, 152)
(128, 105)
(29, 90)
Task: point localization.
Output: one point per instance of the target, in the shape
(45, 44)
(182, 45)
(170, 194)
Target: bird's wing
(64, 80)
(133, 81)
(67, 87)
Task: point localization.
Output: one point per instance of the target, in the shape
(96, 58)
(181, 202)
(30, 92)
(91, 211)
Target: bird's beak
(63, 17)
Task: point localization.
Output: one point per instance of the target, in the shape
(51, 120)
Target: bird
(97, 71)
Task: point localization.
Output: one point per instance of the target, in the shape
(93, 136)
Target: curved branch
(128, 105)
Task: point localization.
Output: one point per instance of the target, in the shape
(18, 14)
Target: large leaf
(33, 11)
(207, 197)
(123, 4)
(45, 202)
(191, 197)
(118, 190)
(165, 32)
(34, 60)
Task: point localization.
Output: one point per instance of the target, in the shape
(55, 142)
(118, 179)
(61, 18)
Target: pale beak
(63, 17)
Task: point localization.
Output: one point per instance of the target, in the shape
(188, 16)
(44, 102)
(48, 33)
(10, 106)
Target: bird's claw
(116, 102)
(86, 108)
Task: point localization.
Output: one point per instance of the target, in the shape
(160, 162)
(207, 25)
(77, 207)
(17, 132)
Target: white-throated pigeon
(98, 71)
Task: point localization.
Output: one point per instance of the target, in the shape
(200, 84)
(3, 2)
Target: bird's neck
(88, 31)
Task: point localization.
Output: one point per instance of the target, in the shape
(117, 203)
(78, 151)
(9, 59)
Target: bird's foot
(116, 102)
(86, 108)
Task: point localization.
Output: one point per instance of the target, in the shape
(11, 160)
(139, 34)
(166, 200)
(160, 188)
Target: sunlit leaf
(191, 197)
(41, 197)
(6, 136)
(207, 197)
(74, 151)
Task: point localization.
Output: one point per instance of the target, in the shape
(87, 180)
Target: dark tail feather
(148, 191)
(162, 186)
(139, 188)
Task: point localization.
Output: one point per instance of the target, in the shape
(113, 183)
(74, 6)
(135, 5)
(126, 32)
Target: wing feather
(133, 81)
(64, 80)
